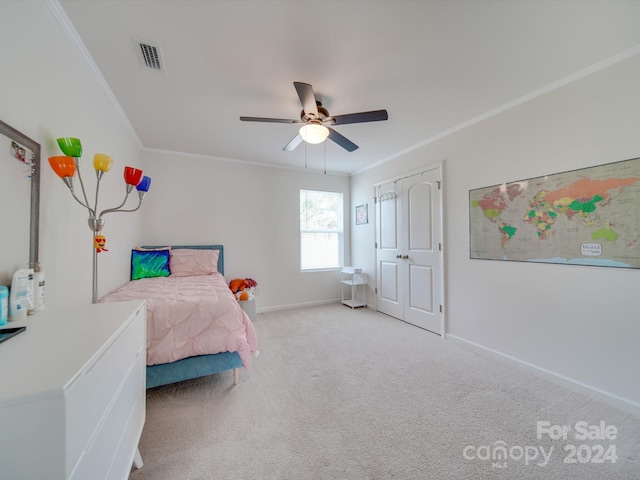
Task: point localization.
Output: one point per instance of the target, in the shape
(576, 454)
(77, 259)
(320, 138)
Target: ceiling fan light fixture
(314, 133)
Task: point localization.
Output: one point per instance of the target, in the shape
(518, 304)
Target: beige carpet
(352, 394)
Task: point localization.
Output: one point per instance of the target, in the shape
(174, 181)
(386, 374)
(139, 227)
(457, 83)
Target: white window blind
(320, 229)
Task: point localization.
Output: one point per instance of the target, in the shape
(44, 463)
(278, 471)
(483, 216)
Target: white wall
(253, 211)
(582, 323)
(48, 91)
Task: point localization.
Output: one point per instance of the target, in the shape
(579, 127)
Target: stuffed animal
(99, 242)
(238, 284)
(242, 288)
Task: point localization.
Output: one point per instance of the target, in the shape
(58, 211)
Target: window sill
(315, 270)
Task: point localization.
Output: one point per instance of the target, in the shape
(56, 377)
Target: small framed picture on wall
(362, 216)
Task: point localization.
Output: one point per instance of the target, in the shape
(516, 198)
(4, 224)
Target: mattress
(189, 316)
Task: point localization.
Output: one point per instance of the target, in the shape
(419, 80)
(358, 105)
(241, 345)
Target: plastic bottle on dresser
(4, 305)
(21, 294)
(38, 287)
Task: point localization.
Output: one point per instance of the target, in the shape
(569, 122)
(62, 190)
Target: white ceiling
(434, 65)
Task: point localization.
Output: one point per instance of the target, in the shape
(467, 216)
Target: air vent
(149, 54)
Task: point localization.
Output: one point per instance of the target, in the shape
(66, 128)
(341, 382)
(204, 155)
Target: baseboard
(297, 305)
(595, 393)
(308, 304)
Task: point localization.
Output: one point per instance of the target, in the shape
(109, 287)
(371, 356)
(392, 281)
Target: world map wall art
(589, 216)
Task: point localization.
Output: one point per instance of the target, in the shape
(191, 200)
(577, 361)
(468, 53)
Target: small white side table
(355, 282)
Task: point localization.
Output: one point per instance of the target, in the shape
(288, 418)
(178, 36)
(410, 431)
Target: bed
(195, 326)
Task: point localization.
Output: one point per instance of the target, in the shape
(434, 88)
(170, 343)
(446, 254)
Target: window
(320, 229)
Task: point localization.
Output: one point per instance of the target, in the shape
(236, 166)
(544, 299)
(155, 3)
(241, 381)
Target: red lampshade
(132, 176)
(63, 165)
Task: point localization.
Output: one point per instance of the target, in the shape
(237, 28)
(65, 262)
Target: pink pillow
(187, 262)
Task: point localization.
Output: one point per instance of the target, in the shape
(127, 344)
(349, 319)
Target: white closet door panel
(390, 298)
(420, 218)
(421, 288)
(389, 224)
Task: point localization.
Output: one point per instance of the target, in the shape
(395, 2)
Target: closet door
(389, 262)
(421, 252)
(409, 259)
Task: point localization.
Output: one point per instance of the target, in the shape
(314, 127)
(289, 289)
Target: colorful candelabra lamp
(66, 167)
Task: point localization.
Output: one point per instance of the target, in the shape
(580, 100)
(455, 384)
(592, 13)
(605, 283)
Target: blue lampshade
(144, 184)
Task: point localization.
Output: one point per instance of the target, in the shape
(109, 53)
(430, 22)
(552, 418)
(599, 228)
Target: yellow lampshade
(102, 162)
(314, 133)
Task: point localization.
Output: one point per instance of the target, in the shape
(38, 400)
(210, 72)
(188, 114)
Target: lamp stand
(66, 168)
(95, 225)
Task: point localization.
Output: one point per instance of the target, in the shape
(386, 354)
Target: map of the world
(582, 217)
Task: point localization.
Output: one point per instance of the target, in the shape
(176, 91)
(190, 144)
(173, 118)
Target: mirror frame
(34, 234)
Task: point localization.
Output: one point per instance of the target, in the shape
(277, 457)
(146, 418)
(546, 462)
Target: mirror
(20, 200)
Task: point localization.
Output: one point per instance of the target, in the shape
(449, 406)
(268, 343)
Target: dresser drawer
(93, 393)
(109, 453)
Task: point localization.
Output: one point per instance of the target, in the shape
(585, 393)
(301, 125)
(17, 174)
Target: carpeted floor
(352, 394)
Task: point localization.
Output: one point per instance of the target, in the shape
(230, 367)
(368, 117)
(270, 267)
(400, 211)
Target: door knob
(398, 256)
(405, 256)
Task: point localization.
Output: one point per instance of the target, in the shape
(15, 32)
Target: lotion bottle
(30, 291)
(38, 288)
(18, 296)
(4, 305)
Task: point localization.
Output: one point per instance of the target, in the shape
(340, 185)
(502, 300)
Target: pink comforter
(188, 316)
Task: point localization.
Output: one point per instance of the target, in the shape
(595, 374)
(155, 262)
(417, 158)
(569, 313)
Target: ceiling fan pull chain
(325, 158)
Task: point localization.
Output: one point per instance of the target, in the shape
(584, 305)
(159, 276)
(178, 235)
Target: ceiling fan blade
(344, 142)
(289, 147)
(362, 117)
(307, 98)
(268, 120)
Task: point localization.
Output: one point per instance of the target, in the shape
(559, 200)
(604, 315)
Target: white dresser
(72, 393)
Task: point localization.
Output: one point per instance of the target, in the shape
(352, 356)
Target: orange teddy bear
(242, 288)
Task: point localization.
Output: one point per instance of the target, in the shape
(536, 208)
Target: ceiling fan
(316, 121)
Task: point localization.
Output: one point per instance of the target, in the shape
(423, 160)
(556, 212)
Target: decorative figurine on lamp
(99, 243)
(66, 166)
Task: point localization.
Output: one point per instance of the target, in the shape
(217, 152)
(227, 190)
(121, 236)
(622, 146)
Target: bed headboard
(220, 248)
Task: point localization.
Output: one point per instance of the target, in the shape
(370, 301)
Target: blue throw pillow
(149, 264)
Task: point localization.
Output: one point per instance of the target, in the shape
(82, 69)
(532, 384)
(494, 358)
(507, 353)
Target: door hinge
(440, 246)
(376, 245)
(376, 290)
(438, 184)
(440, 308)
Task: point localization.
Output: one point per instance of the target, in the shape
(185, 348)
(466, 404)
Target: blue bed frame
(202, 365)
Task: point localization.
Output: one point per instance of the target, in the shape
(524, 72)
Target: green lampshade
(70, 146)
